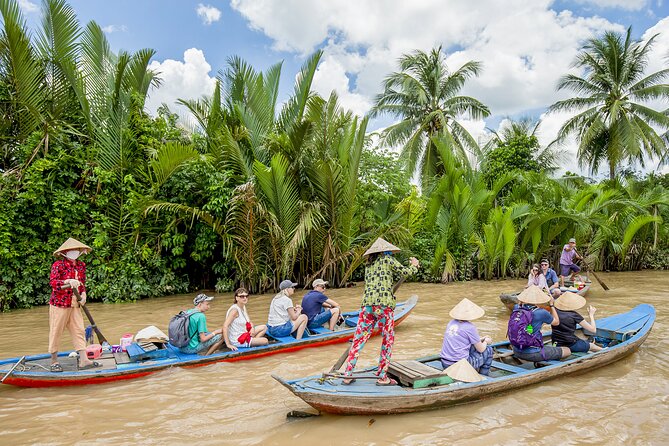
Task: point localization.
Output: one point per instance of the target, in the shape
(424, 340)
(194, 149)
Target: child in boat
(200, 338)
(534, 350)
(462, 340)
(238, 331)
(564, 333)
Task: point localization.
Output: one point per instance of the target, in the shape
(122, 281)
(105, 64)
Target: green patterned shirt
(380, 277)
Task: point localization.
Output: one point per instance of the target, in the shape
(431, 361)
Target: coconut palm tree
(613, 123)
(423, 94)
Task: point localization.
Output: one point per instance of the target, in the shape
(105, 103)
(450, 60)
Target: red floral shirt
(60, 271)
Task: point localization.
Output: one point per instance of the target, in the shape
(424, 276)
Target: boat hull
(43, 378)
(367, 399)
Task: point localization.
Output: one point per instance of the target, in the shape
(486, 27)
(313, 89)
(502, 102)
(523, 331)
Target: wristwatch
(552, 306)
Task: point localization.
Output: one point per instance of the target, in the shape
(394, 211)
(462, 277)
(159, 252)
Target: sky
(525, 45)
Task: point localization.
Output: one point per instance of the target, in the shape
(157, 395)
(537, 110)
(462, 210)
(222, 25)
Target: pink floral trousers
(373, 317)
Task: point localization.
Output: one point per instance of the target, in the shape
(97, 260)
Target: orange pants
(62, 318)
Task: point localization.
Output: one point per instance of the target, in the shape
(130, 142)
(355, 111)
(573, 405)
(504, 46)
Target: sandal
(390, 382)
(92, 365)
(348, 381)
(56, 368)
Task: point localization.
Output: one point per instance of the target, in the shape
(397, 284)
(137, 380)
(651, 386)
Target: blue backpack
(520, 330)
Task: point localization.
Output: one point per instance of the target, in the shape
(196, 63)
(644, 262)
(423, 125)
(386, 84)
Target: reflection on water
(238, 403)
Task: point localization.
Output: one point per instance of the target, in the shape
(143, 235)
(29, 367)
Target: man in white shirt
(284, 318)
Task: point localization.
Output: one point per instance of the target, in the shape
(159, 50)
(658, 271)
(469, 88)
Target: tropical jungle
(260, 188)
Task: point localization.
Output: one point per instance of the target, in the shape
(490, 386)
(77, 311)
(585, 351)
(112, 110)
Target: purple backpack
(520, 330)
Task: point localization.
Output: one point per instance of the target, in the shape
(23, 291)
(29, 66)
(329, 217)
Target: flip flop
(92, 365)
(391, 382)
(348, 381)
(56, 368)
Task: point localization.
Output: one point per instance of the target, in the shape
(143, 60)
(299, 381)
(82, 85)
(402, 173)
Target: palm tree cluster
(262, 190)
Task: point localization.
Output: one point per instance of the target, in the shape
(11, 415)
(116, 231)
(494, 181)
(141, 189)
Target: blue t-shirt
(312, 302)
(551, 277)
(539, 318)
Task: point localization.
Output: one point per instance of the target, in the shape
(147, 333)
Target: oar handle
(94, 326)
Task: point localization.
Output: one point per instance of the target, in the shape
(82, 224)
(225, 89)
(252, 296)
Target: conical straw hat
(381, 245)
(151, 334)
(533, 295)
(71, 243)
(569, 302)
(463, 371)
(466, 310)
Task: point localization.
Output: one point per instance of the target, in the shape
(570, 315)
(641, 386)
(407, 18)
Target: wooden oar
(343, 357)
(23, 358)
(101, 337)
(606, 288)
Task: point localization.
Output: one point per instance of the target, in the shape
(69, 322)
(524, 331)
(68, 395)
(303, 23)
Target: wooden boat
(511, 299)
(33, 371)
(422, 390)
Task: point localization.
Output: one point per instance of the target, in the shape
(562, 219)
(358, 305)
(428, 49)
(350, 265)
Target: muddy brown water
(626, 403)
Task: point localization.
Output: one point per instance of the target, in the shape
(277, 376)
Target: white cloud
(27, 6)
(114, 28)
(181, 80)
(208, 13)
(524, 52)
(630, 5)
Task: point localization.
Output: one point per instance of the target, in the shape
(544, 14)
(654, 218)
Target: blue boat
(33, 371)
(423, 385)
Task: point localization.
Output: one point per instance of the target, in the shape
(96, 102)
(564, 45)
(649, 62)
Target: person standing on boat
(238, 331)
(378, 306)
(552, 280)
(567, 265)
(68, 272)
(462, 340)
(319, 308)
(564, 334)
(536, 278)
(200, 338)
(284, 318)
(528, 300)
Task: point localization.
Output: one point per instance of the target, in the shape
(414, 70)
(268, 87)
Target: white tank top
(238, 325)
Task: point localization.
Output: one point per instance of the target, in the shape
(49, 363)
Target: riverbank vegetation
(263, 189)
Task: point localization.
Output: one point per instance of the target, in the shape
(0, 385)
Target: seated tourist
(564, 334)
(551, 277)
(319, 308)
(200, 338)
(524, 329)
(238, 330)
(462, 340)
(536, 278)
(284, 318)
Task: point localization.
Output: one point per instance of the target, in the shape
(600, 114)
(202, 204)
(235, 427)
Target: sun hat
(202, 298)
(463, 371)
(287, 284)
(71, 244)
(569, 301)
(466, 310)
(572, 240)
(381, 245)
(319, 282)
(533, 295)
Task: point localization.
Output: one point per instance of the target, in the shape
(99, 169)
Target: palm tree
(424, 96)
(612, 123)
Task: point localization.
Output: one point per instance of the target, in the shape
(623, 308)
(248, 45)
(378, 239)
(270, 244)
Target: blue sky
(525, 45)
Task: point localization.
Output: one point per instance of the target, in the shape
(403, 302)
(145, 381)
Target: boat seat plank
(508, 367)
(417, 374)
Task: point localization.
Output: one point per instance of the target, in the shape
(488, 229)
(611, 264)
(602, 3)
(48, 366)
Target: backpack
(178, 329)
(520, 329)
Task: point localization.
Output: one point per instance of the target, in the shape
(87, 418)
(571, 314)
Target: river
(626, 403)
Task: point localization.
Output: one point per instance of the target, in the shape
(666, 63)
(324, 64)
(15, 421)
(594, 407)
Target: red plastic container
(94, 351)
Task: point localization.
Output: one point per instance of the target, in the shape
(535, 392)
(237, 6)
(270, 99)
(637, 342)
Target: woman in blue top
(528, 299)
